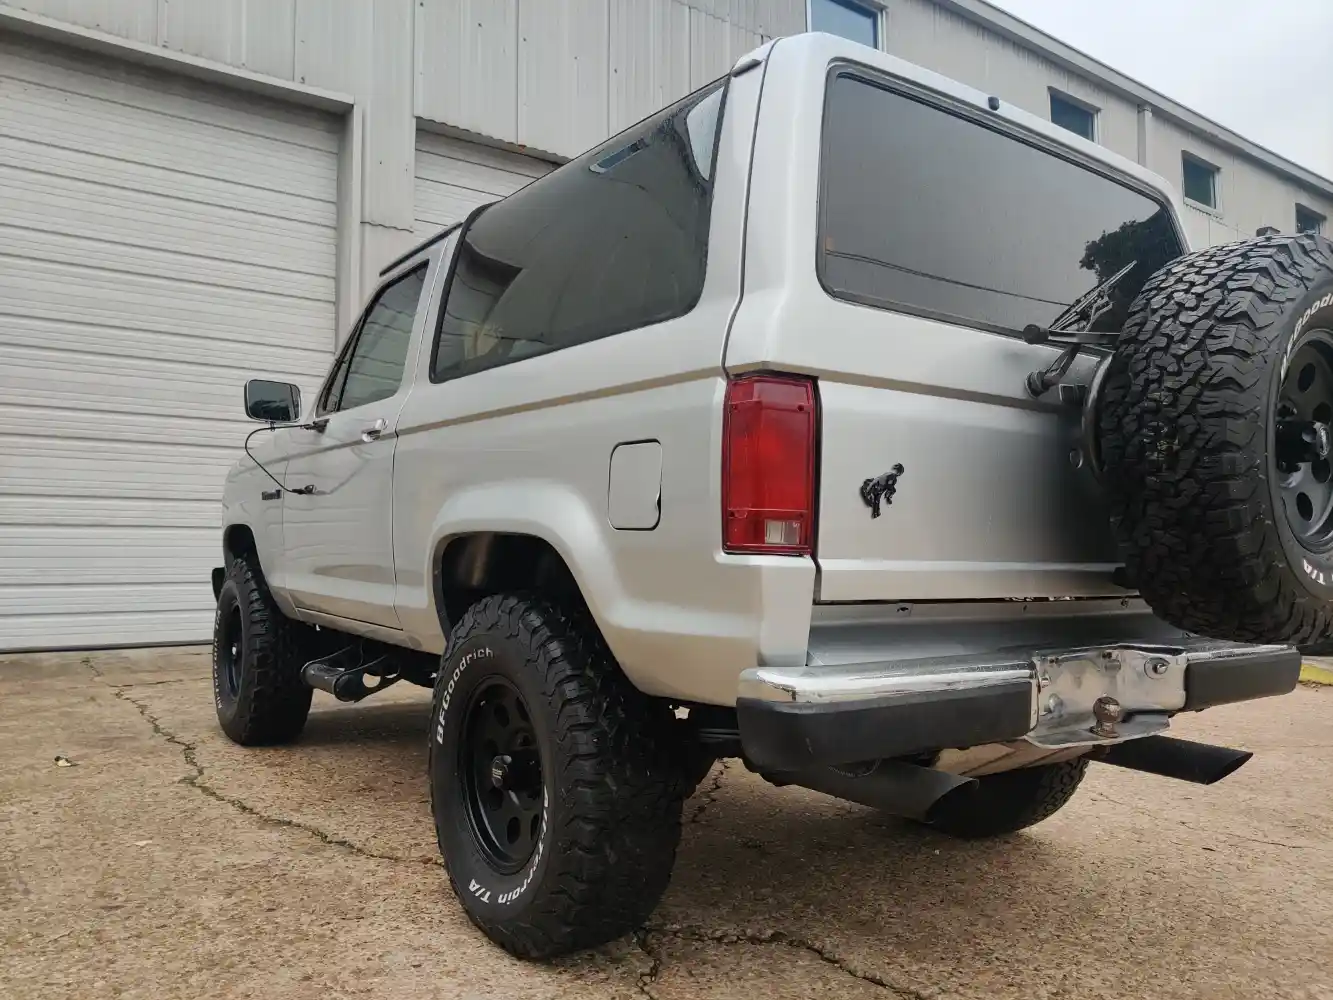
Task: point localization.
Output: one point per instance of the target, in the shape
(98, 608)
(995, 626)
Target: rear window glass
(928, 211)
(612, 241)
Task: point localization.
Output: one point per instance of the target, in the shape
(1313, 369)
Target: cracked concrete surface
(169, 863)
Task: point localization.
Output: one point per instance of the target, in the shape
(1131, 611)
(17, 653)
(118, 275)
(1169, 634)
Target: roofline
(425, 244)
(1017, 30)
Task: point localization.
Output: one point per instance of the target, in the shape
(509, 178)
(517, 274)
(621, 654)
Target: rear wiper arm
(1087, 308)
(1073, 327)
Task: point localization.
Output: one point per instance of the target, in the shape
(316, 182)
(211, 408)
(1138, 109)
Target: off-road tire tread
(610, 861)
(1010, 801)
(274, 708)
(1183, 428)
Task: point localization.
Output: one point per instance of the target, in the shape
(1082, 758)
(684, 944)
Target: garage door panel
(191, 148)
(71, 294)
(308, 205)
(92, 599)
(73, 631)
(439, 206)
(487, 159)
(57, 554)
(138, 219)
(453, 177)
(110, 512)
(107, 384)
(161, 241)
(45, 338)
(94, 253)
(228, 430)
(44, 466)
(73, 74)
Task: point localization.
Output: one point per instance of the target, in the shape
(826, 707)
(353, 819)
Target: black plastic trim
(789, 736)
(1244, 677)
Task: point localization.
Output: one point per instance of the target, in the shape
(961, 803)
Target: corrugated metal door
(160, 242)
(454, 177)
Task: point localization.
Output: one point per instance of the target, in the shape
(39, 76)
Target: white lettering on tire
(1317, 575)
(480, 653)
(1306, 316)
(504, 898)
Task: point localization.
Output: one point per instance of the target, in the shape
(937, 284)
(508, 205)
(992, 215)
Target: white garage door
(454, 177)
(160, 242)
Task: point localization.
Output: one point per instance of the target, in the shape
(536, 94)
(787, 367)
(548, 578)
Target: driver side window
(371, 368)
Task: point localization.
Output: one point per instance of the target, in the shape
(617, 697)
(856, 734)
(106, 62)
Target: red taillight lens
(768, 465)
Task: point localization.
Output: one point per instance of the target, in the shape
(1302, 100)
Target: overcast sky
(1259, 67)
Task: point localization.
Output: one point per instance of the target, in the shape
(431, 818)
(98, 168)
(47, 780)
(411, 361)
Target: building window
(1200, 181)
(1079, 118)
(1308, 220)
(847, 18)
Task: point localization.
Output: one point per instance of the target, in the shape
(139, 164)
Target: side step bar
(343, 674)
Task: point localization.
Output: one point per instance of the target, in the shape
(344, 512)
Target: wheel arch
(513, 535)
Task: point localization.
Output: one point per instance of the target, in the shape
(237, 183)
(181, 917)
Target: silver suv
(838, 418)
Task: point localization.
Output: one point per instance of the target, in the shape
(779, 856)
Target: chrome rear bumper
(1088, 696)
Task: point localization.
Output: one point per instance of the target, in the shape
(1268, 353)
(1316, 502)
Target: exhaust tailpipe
(1200, 763)
(899, 789)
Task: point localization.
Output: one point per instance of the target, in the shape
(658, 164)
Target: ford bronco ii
(838, 418)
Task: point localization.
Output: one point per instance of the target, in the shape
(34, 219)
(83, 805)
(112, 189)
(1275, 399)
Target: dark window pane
(1308, 221)
(612, 241)
(1074, 117)
(930, 211)
(1200, 182)
(841, 17)
(375, 366)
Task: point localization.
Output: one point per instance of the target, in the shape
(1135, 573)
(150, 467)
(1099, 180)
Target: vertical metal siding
(467, 65)
(562, 74)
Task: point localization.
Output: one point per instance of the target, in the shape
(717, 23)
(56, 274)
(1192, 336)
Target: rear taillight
(768, 465)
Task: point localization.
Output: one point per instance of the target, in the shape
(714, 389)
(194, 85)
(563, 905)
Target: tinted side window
(376, 361)
(612, 241)
(926, 210)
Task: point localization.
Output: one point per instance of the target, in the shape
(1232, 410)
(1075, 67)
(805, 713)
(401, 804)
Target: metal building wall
(1251, 195)
(556, 76)
(552, 76)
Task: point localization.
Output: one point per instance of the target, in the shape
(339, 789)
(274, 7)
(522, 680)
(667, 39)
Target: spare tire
(1213, 427)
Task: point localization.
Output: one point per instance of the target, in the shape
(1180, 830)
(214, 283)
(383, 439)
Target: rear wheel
(556, 786)
(257, 658)
(1010, 801)
(1215, 420)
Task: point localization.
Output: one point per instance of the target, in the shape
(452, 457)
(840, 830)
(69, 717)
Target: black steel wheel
(1213, 431)
(501, 767)
(556, 786)
(257, 658)
(1302, 464)
(229, 638)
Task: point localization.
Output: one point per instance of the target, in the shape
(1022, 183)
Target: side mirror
(274, 402)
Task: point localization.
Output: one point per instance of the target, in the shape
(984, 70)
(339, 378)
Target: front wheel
(555, 785)
(1009, 801)
(257, 658)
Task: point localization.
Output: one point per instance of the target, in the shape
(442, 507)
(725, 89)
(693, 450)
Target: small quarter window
(612, 241)
(1200, 181)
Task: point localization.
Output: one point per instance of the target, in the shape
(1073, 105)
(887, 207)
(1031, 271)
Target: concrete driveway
(167, 863)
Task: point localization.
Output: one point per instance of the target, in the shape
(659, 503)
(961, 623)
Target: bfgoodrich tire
(257, 658)
(1010, 801)
(1213, 427)
(556, 786)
